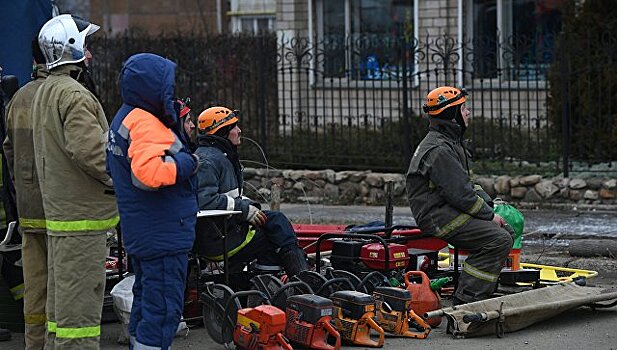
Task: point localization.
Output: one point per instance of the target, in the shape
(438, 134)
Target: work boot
(294, 261)
(5, 334)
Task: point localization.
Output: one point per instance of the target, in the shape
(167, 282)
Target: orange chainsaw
(394, 314)
(353, 317)
(261, 328)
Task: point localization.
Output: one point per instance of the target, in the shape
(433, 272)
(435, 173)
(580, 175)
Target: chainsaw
(250, 328)
(261, 328)
(393, 313)
(308, 322)
(353, 317)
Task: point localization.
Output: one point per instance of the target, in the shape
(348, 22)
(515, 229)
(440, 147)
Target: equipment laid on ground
(321, 285)
(353, 317)
(261, 328)
(394, 314)
(424, 299)
(513, 312)
(308, 322)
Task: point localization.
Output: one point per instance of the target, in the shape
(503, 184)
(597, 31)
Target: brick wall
(157, 16)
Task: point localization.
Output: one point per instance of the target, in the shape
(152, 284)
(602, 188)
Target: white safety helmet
(63, 40)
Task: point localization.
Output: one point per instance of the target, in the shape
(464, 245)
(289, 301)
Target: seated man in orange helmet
(255, 234)
(446, 204)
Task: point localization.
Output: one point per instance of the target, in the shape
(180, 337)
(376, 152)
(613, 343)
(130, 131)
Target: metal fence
(355, 102)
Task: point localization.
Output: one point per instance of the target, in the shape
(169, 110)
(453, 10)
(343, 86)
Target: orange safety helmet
(214, 118)
(443, 97)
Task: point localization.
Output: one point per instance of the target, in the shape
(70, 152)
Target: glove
(256, 217)
(498, 220)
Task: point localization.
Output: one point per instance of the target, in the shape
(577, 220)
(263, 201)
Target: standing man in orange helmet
(445, 202)
(255, 234)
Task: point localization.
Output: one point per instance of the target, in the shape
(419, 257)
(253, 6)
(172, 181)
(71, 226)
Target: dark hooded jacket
(220, 187)
(440, 193)
(152, 170)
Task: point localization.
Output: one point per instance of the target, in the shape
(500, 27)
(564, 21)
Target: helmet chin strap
(459, 120)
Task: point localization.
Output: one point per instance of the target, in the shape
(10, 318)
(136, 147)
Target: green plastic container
(514, 218)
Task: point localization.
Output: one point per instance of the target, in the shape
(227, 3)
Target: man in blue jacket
(265, 236)
(152, 171)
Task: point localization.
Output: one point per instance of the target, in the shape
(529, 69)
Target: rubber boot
(294, 261)
(5, 334)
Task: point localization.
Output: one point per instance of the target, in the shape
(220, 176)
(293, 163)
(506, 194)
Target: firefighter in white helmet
(69, 126)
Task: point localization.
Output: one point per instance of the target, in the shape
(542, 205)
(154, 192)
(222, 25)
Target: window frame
(504, 23)
(319, 73)
(236, 22)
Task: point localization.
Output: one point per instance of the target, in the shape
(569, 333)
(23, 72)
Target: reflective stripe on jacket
(440, 193)
(69, 133)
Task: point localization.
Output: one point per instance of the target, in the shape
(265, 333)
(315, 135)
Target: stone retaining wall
(366, 187)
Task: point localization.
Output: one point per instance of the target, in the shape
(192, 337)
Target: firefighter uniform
(19, 152)
(445, 203)
(69, 127)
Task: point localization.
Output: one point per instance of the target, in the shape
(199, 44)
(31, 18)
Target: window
(514, 39)
(252, 25)
(363, 39)
(252, 16)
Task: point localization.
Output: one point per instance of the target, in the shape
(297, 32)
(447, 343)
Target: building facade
(344, 58)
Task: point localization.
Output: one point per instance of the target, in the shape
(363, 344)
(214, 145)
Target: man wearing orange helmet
(263, 235)
(445, 202)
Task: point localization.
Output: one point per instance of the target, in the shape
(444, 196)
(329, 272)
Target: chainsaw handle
(370, 237)
(423, 275)
(283, 341)
(279, 299)
(413, 317)
(376, 328)
(333, 281)
(333, 332)
(367, 279)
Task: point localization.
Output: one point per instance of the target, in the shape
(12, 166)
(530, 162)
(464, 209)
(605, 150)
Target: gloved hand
(256, 217)
(498, 220)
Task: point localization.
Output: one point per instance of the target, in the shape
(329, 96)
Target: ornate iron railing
(355, 102)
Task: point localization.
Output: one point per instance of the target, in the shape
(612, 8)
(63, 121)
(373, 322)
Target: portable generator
(261, 328)
(353, 317)
(393, 313)
(358, 256)
(308, 322)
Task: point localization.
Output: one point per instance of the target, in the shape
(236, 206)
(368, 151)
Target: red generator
(358, 256)
(373, 255)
